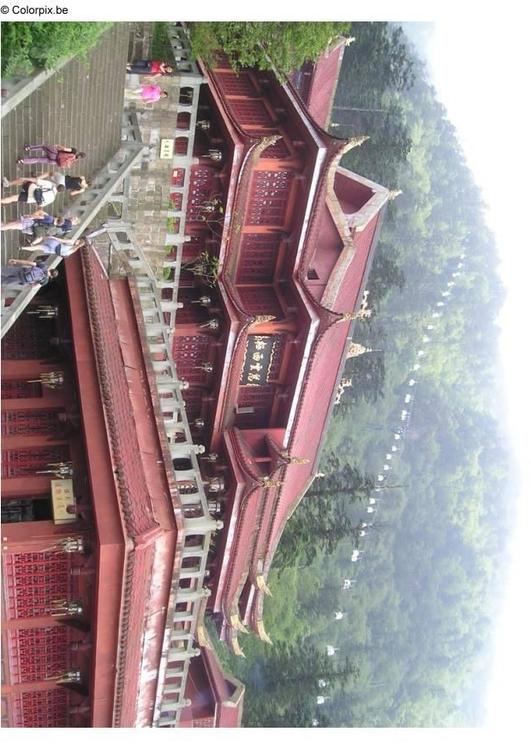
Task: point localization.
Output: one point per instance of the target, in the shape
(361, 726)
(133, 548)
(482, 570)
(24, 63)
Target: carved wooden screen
(45, 708)
(15, 388)
(34, 580)
(258, 257)
(189, 352)
(260, 400)
(29, 338)
(261, 300)
(270, 193)
(37, 653)
(30, 421)
(202, 187)
(26, 462)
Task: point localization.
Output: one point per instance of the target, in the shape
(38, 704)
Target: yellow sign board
(166, 148)
(62, 497)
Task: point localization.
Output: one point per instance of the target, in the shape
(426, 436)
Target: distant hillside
(419, 615)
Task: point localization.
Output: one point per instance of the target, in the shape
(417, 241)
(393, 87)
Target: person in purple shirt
(20, 273)
(56, 246)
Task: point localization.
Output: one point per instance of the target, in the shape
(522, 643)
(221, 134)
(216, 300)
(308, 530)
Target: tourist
(56, 246)
(63, 156)
(34, 190)
(149, 68)
(74, 185)
(149, 93)
(21, 273)
(40, 224)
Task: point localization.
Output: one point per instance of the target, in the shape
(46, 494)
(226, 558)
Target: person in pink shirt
(150, 92)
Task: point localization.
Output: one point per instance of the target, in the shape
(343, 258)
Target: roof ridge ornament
(236, 648)
(262, 586)
(293, 459)
(261, 632)
(237, 624)
(394, 194)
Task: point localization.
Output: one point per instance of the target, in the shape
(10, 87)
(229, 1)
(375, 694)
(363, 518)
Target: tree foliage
(418, 618)
(34, 45)
(283, 47)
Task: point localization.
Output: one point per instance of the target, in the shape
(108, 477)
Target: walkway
(82, 106)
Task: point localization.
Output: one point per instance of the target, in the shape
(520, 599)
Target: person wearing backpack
(21, 273)
(63, 156)
(56, 246)
(74, 185)
(34, 190)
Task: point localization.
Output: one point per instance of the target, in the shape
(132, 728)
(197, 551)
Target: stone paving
(80, 106)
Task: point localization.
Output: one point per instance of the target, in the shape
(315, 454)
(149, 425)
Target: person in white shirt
(35, 190)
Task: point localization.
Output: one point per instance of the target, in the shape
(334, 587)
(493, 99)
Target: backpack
(65, 158)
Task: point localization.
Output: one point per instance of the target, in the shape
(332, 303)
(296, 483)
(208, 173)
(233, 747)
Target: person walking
(40, 224)
(149, 68)
(20, 273)
(62, 156)
(74, 185)
(56, 246)
(149, 93)
(34, 190)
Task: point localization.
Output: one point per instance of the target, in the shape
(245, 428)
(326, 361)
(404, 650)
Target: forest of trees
(418, 617)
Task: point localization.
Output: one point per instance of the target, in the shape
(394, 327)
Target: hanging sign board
(259, 353)
(62, 497)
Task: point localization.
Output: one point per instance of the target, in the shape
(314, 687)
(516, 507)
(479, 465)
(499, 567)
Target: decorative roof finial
(261, 585)
(357, 140)
(355, 350)
(394, 194)
(262, 632)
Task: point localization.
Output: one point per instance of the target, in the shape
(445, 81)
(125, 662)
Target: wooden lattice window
(33, 580)
(15, 388)
(254, 406)
(202, 187)
(37, 653)
(261, 300)
(258, 257)
(189, 352)
(30, 421)
(269, 197)
(234, 84)
(251, 112)
(29, 338)
(26, 462)
(48, 708)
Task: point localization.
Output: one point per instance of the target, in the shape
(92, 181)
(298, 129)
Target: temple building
(161, 426)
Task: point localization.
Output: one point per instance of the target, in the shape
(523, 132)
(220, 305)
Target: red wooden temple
(105, 584)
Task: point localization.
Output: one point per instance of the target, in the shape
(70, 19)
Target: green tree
(284, 47)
